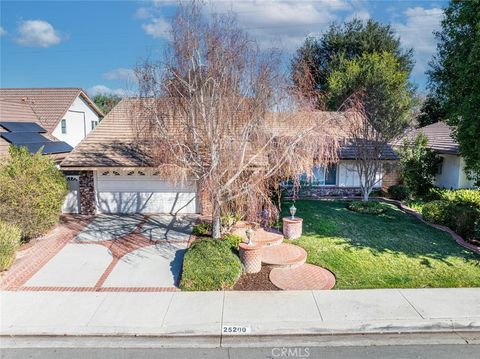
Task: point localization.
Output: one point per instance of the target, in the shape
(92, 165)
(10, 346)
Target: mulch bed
(256, 281)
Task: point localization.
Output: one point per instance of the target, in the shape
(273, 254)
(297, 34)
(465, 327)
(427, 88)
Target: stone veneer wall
(87, 193)
(318, 192)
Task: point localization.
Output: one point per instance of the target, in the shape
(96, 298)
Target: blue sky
(95, 44)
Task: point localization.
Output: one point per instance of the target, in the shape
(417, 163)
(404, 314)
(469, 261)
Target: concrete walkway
(214, 315)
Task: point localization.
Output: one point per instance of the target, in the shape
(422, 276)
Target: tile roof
(50, 104)
(440, 138)
(113, 143)
(348, 151)
(18, 112)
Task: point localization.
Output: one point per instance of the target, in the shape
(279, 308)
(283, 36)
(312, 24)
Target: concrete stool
(292, 228)
(251, 257)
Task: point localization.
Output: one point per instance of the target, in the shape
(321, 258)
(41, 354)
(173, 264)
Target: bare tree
(369, 144)
(219, 111)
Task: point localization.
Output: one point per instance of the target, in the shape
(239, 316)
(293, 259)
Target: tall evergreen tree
(323, 55)
(455, 77)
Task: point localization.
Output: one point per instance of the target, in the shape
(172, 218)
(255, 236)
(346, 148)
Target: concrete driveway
(120, 252)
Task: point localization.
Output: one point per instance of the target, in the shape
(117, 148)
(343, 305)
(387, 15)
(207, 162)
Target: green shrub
(202, 229)
(398, 192)
(419, 165)
(465, 220)
(437, 212)
(370, 207)
(460, 217)
(233, 239)
(32, 191)
(9, 243)
(210, 264)
(470, 197)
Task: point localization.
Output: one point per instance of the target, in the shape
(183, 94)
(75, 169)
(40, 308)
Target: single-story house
(451, 173)
(116, 176)
(67, 114)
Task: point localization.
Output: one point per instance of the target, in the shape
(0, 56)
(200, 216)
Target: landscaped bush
(370, 207)
(9, 243)
(32, 191)
(398, 192)
(460, 217)
(437, 212)
(233, 239)
(469, 197)
(210, 264)
(202, 229)
(419, 166)
(229, 219)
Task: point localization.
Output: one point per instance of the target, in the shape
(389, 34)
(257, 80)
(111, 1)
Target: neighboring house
(20, 126)
(116, 175)
(451, 172)
(67, 114)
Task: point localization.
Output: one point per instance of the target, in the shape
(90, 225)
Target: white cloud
(417, 32)
(142, 13)
(279, 23)
(2, 31)
(37, 33)
(283, 24)
(361, 14)
(120, 74)
(158, 28)
(104, 90)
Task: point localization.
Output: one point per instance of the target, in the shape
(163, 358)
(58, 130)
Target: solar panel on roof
(18, 138)
(49, 147)
(22, 127)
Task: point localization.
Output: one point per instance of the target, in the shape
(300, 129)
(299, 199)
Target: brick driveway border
(34, 257)
(31, 259)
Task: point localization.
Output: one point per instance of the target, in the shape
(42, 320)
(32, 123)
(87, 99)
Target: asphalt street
(456, 351)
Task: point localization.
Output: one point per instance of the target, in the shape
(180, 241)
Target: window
(94, 124)
(440, 166)
(64, 126)
(324, 176)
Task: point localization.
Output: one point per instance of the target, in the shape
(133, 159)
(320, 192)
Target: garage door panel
(141, 184)
(146, 202)
(144, 194)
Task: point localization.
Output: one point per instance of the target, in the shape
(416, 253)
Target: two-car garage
(136, 192)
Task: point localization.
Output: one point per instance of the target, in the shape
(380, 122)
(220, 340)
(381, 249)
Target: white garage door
(123, 193)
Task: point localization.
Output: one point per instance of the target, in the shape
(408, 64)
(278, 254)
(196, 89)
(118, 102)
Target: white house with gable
(68, 114)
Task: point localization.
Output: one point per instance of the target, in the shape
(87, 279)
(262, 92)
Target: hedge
(32, 191)
(9, 244)
(462, 218)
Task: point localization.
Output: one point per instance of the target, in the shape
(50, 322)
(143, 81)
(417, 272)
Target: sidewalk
(209, 314)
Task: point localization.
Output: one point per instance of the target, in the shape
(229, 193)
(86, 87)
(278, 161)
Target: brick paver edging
(98, 289)
(411, 212)
(45, 249)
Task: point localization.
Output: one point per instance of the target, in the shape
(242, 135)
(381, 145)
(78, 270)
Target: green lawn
(390, 250)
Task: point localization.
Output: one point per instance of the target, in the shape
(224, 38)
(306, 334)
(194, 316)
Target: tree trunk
(365, 195)
(216, 225)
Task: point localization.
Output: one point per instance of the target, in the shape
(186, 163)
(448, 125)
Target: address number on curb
(232, 329)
